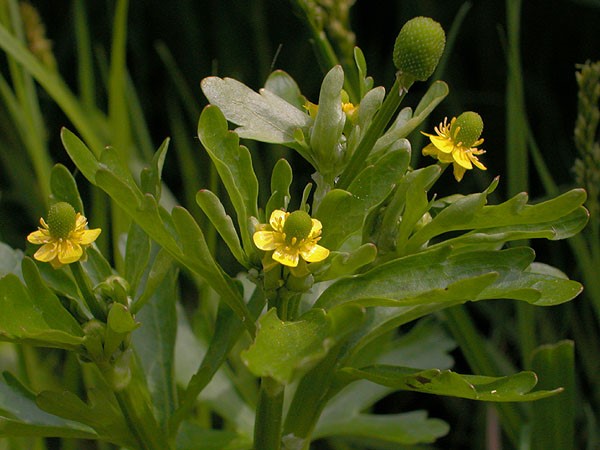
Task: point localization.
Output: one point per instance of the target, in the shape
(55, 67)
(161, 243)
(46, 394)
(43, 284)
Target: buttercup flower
(291, 236)
(64, 237)
(456, 142)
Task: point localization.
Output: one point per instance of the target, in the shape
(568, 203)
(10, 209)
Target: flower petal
(442, 143)
(476, 161)
(69, 251)
(315, 231)
(89, 236)
(266, 240)
(286, 256)
(459, 172)
(80, 222)
(47, 252)
(40, 236)
(430, 150)
(461, 157)
(313, 253)
(277, 219)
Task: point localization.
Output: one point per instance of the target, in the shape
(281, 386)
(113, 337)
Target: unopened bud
(418, 48)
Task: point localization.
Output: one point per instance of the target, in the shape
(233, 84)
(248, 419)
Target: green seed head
(61, 220)
(297, 225)
(471, 126)
(418, 47)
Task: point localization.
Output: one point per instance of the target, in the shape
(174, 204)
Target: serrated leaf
(263, 116)
(512, 388)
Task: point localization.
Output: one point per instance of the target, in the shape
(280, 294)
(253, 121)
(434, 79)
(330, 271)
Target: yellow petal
(40, 236)
(266, 240)
(445, 157)
(316, 229)
(430, 150)
(477, 163)
(443, 144)
(80, 222)
(89, 236)
(313, 253)
(277, 219)
(459, 172)
(461, 157)
(286, 256)
(69, 251)
(47, 252)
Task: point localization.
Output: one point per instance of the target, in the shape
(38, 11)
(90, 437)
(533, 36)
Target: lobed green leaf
(442, 278)
(263, 116)
(512, 388)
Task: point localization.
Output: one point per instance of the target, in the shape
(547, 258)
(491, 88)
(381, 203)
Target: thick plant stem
(267, 428)
(383, 117)
(140, 419)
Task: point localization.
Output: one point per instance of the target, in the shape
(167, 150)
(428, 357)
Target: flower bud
(467, 128)
(61, 220)
(115, 289)
(418, 48)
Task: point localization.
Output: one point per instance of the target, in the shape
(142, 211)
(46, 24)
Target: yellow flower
(64, 237)
(291, 236)
(456, 142)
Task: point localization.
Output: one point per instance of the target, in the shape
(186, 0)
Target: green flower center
(297, 227)
(418, 47)
(61, 220)
(471, 126)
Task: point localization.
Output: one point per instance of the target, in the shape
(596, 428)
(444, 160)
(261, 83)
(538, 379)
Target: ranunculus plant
(311, 320)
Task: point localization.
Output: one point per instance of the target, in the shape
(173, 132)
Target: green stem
(267, 428)
(85, 286)
(383, 117)
(140, 419)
